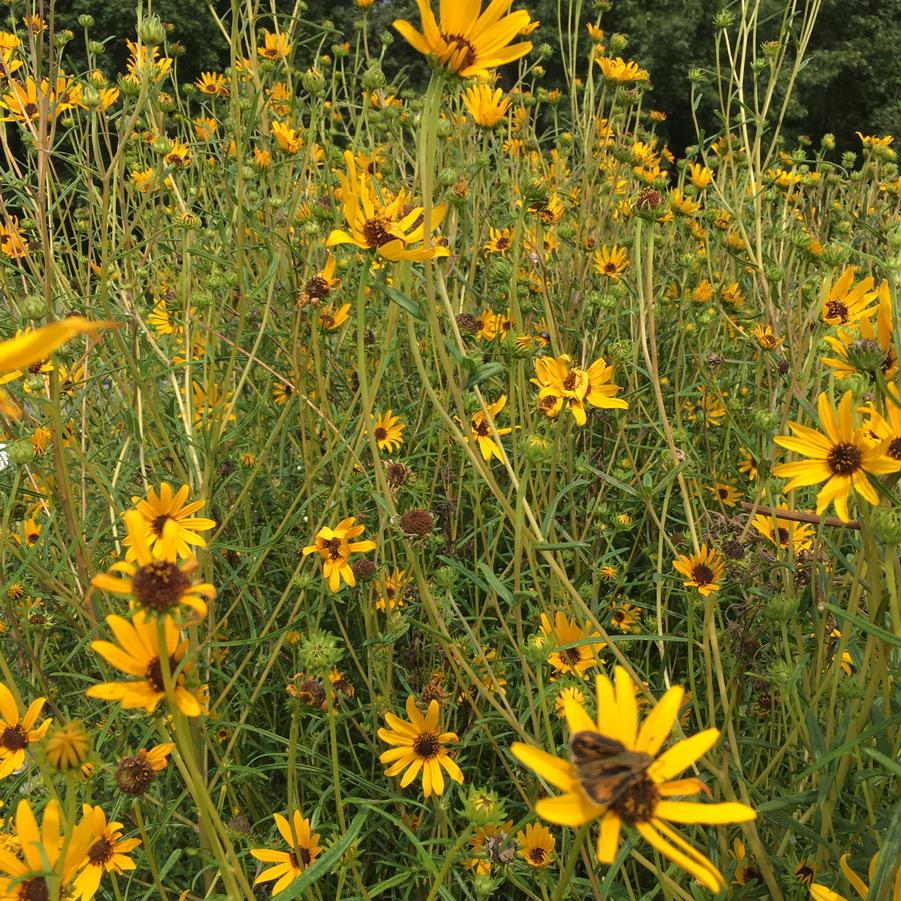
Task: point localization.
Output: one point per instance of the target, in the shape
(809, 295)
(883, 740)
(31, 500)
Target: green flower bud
(33, 307)
(96, 47)
(446, 578)
(85, 21)
(90, 97)
(887, 524)
(444, 129)
(781, 608)
(313, 81)
(782, 676)
(620, 350)
(536, 649)
(482, 807)
(20, 452)
(723, 19)
(373, 78)
(764, 420)
(318, 652)
(535, 449)
(151, 31)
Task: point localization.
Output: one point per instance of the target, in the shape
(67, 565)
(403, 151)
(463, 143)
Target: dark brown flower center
(844, 459)
(100, 852)
(573, 656)
(783, 536)
(458, 43)
(538, 856)
(502, 243)
(894, 449)
(14, 738)
(317, 288)
(34, 890)
(638, 803)
(333, 546)
(154, 672)
(570, 381)
(381, 434)
(31, 110)
(481, 429)
(426, 746)
(375, 233)
(159, 524)
(134, 775)
(326, 320)
(702, 574)
(159, 585)
(836, 309)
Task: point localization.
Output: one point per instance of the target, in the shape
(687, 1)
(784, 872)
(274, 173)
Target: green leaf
(865, 625)
(326, 862)
(484, 372)
(500, 589)
(549, 516)
(405, 302)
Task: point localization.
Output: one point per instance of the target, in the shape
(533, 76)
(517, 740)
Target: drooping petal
(571, 809)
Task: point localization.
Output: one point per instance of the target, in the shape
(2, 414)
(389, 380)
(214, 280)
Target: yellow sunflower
(486, 106)
(536, 845)
(642, 781)
(16, 733)
(158, 509)
(288, 865)
(138, 655)
(844, 302)
(419, 748)
(727, 495)
(611, 262)
(500, 240)
(467, 41)
(388, 228)
(702, 570)
(52, 853)
(866, 349)
(157, 583)
(331, 319)
(388, 431)
(320, 286)
(335, 546)
(275, 46)
(821, 893)
(575, 650)
(394, 593)
(784, 533)
(842, 457)
(563, 385)
(480, 429)
(107, 853)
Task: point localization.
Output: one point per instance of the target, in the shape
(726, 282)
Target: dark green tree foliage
(851, 81)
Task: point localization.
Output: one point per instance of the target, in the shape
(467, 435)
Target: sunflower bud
(887, 524)
(85, 21)
(482, 807)
(781, 608)
(318, 652)
(20, 452)
(313, 81)
(151, 31)
(68, 747)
